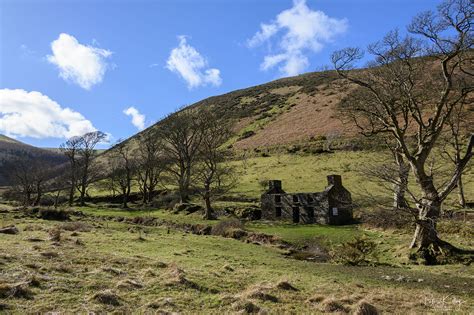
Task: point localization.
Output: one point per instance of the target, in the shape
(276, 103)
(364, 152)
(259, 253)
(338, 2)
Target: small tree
(71, 150)
(212, 175)
(181, 134)
(149, 164)
(87, 171)
(411, 99)
(122, 171)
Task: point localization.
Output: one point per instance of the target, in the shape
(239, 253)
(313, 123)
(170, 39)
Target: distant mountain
(11, 149)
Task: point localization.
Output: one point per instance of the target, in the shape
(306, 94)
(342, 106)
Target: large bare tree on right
(409, 92)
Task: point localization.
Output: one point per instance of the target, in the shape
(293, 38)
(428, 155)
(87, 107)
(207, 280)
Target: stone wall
(332, 206)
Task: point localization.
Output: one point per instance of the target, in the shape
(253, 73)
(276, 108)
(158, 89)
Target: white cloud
(187, 62)
(32, 114)
(296, 32)
(138, 120)
(81, 64)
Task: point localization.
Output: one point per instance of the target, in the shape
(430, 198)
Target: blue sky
(72, 66)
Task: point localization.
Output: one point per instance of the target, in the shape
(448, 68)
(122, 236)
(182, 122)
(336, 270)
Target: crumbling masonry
(332, 206)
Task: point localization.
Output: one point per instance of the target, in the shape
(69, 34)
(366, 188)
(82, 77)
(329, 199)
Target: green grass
(68, 282)
(166, 215)
(303, 234)
(307, 173)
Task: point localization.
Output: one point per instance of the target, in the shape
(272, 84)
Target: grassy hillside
(282, 112)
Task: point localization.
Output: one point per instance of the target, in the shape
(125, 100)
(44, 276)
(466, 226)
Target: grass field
(99, 265)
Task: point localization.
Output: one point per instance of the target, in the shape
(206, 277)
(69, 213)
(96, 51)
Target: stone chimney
(274, 185)
(335, 180)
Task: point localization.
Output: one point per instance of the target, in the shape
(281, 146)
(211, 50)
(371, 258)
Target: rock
(9, 230)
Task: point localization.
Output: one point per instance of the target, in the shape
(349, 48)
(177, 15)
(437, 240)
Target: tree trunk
(124, 200)
(27, 201)
(183, 192)
(71, 194)
(462, 198)
(208, 212)
(83, 194)
(399, 200)
(38, 195)
(427, 246)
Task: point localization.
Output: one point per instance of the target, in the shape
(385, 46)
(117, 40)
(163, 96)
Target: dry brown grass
(311, 116)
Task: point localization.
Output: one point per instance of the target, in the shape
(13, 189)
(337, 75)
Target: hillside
(11, 149)
(282, 112)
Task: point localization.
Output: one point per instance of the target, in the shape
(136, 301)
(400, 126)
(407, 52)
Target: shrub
(361, 251)
(223, 228)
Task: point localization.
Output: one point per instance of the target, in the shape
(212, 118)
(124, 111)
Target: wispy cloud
(138, 120)
(295, 33)
(188, 63)
(32, 114)
(81, 64)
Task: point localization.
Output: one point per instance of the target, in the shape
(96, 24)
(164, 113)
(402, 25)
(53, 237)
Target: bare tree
(411, 99)
(181, 133)
(71, 150)
(149, 164)
(87, 171)
(28, 175)
(122, 170)
(212, 176)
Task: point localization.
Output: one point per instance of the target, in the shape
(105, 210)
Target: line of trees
(187, 151)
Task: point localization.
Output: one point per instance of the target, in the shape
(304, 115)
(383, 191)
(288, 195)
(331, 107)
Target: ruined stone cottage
(331, 206)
